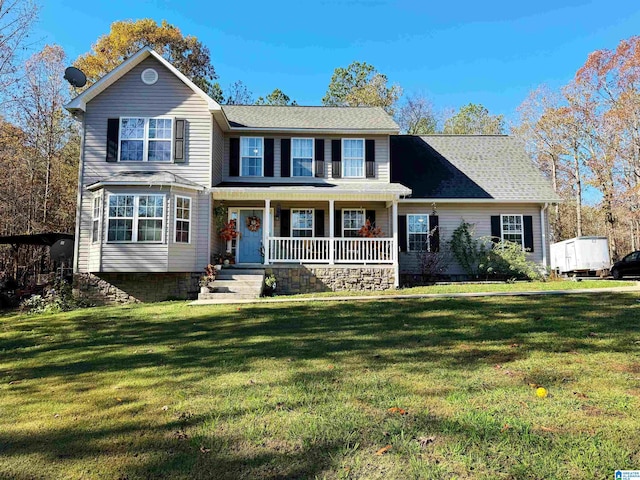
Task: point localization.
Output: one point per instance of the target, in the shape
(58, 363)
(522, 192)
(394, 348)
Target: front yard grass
(480, 287)
(304, 390)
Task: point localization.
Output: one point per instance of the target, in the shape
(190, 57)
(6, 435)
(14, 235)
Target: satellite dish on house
(75, 77)
(62, 250)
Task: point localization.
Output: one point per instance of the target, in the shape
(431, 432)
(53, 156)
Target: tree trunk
(576, 167)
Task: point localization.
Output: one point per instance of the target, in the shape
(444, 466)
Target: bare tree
(416, 116)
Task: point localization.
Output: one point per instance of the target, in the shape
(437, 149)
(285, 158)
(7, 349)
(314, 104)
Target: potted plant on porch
(207, 279)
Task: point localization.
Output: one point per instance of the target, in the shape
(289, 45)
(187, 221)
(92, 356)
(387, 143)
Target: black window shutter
(371, 216)
(527, 221)
(234, 157)
(179, 136)
(434, 238)
(495, 228)
(318, 228)
(268, 157)
(113, 127)
(336, 158)
(337, 226)
(370, 158)
(285, 223)
(402, 232)
(319, 154)
(285, 157)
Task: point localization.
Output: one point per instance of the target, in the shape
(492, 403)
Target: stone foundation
(323, 278)
(113, 288)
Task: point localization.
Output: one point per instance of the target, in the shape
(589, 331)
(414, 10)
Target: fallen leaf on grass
(119, 400)
(425, 441)
(593, 334)
(204, 450)
(548, 429)
(514, 345)
(331, 367)
(505, 428)
(580, 395)
(180, 435)
(535, 385)
(401, 411)
(165, 408)
(383, 450)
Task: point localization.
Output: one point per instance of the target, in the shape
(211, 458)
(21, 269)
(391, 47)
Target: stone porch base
(323, 278)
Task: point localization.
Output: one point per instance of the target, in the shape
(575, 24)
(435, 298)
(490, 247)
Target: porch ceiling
(325, 191)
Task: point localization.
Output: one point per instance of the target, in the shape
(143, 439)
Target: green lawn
(483, 288)
(304, 390)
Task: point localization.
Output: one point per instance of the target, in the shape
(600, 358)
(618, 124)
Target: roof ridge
(305, 106)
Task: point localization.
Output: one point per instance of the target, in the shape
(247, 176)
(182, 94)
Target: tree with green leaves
(360, 84)
(277, 97)
(186, 53)
(474, 119)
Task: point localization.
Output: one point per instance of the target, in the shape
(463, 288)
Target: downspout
(543, 229)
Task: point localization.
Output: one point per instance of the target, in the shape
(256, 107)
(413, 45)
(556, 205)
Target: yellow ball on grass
(541, 392)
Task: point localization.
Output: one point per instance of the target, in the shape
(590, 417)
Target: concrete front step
(227, 296)
(235, 284)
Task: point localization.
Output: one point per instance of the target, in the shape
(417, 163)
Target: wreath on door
(253, 224)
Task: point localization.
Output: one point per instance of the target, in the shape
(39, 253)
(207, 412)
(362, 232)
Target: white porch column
(332, 220)
(266, 229)
(396, 265)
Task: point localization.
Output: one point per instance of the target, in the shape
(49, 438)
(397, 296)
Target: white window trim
(97, 198)
(261, 158)
(145, 140)
(175, 218)
(313, 222)
(313, 158)
(364, 215)
(521, 223)
(364, 159)
(414, 233)
(134, 233)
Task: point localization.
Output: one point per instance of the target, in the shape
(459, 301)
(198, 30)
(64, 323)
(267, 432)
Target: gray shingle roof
(312, 118)
(495, 167)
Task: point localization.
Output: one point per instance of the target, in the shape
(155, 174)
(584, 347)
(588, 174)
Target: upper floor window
(512, 229)
(183, 219)
(352, 222)
(302, 157)
(302, 223)
(353, 158)
(418, 232)
(136, 218)
(145, 139)
(251, 156)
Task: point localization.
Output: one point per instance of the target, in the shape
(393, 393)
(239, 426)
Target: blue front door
(250, 243)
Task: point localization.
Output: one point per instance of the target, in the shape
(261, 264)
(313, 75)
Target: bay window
(136, 218)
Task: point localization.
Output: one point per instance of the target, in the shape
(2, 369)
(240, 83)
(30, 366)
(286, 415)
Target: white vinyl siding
(353, 158)
(135, 218)
(145, 139)
(450, 215)
(512, 229)
(128, 97)
(302, 222)
(182, 224)
(418, 232)
(352, 222)
(251, 156)
(302, 157)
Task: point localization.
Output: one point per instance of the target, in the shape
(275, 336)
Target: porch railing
(326, 250)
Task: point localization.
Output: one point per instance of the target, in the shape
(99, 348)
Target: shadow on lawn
(204, 342)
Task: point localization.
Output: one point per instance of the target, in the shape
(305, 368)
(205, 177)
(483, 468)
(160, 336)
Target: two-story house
(163, 167)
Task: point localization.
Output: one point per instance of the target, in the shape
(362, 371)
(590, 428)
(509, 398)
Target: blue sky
(491, 52)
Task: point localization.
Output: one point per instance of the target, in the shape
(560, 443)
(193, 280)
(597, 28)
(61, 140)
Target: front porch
(353, 230)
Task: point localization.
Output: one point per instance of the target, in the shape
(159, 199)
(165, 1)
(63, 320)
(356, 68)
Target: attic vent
(149, 76)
